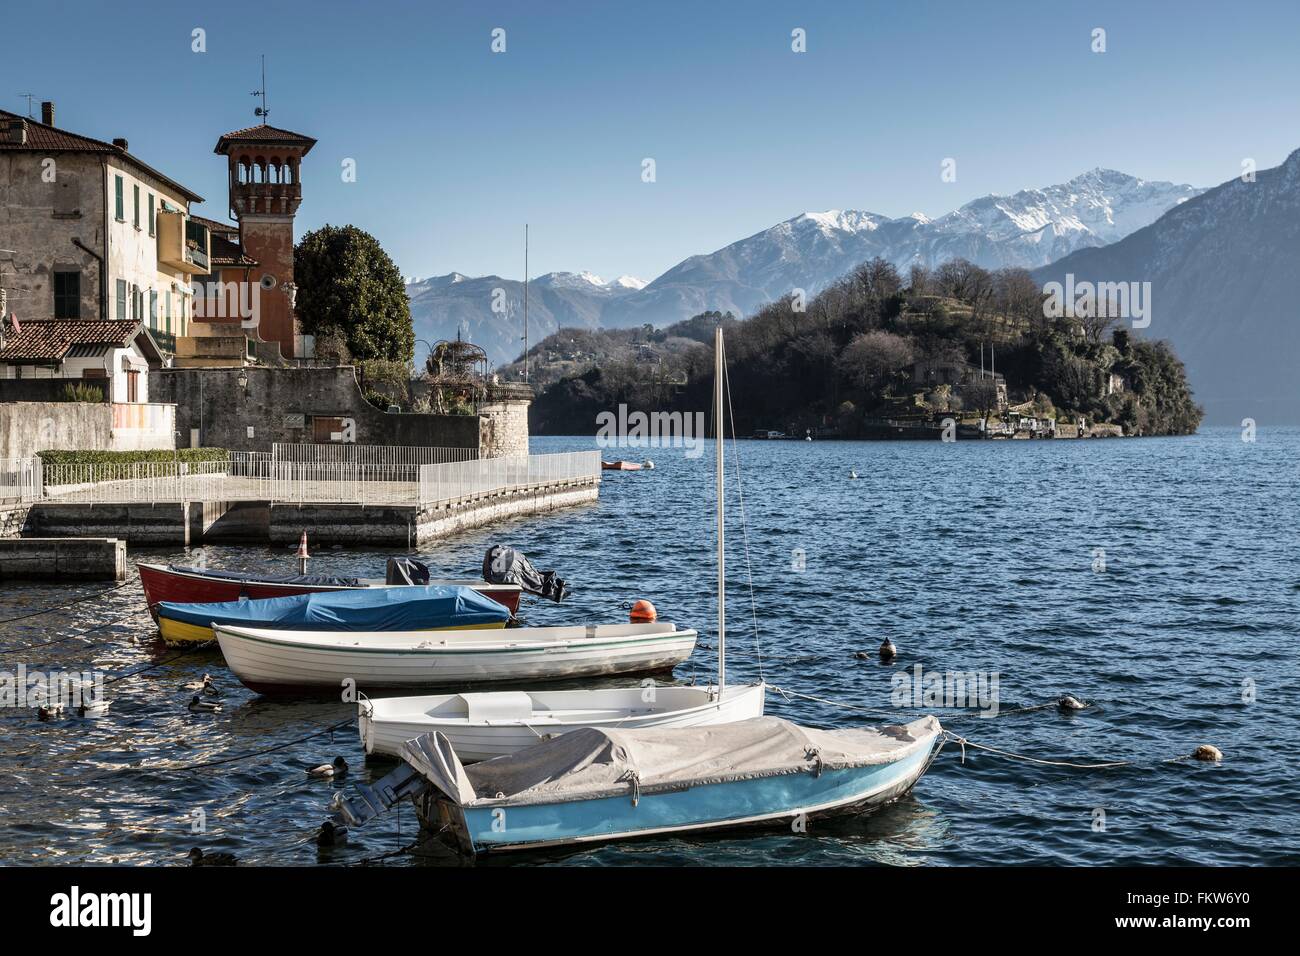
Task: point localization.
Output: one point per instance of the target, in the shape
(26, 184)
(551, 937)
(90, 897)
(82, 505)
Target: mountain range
(1031, 228)
(1223, 269)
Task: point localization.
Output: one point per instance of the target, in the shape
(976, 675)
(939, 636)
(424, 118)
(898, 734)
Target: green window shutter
(153, 309)
(135, 202)
(151, 214)
(167, 309)
(121, 298)
(120, 213)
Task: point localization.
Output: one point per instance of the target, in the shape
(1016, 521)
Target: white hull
(272, 661)
(481, 726)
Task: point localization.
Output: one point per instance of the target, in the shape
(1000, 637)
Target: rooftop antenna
(525, 303)
(30, 97)
(261, 111)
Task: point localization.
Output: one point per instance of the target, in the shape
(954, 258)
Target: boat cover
(590, 763)
(311, 580)
(502, 565)
(365, 609)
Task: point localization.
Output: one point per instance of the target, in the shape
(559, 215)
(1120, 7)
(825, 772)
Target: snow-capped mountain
(1030, 228)
(1222, 268)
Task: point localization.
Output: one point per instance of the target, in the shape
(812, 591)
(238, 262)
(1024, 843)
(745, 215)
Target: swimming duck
(853, 474)
(861, 656)
(198, 705)
(1068, 704)
(650, 465)
(1208, 752)
(336, 769)
(198, 858)
(205, 686)
(49, 712)
(888, 651)
(332, 834)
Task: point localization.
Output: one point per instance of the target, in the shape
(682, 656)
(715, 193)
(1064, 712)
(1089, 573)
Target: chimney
(18, 131)
(120, 143)
(47, 112)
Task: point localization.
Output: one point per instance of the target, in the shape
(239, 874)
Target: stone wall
(504, 431)
(29, 427)
(283, 404)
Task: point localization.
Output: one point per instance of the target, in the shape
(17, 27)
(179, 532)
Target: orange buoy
(643, 612)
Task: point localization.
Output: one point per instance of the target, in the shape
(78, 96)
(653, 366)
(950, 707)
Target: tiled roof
(52, 339)
(225, 252)
(51, 139)
(213, 225)
(271, 135)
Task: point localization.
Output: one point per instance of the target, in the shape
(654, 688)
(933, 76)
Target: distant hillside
(1223, 270)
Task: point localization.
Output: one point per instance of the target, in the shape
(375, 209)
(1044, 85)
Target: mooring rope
(59, 607)
(244, 756)
(965, 742)
(82, 633)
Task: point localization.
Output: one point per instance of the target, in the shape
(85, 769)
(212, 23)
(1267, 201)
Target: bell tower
(265, 189)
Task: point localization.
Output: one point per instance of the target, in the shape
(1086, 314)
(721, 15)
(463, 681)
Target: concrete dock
(62, 559)
(188, 523)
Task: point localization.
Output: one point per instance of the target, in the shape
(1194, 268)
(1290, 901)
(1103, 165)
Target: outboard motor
(502, 565)
(406, 571)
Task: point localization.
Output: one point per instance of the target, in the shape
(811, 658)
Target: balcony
(183, 244)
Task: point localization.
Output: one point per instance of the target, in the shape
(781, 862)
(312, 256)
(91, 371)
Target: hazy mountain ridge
(1030, 228)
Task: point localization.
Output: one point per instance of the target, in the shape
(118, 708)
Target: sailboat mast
(525, 302)
(719, 366)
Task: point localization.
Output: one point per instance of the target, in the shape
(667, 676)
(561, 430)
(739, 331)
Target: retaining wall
(63, 559)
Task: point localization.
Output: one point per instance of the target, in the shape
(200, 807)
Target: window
(120, 213)
(135, 202)
(167, 309)
(136, 303)
(67, 295)
(153, 309)
(133, 386)
(151, 214)
(121, 298)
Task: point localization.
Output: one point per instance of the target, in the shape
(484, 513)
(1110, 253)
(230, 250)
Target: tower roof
(265, 135)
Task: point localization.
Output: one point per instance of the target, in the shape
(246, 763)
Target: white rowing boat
(489, 724)
(273, 661)
(481, 726)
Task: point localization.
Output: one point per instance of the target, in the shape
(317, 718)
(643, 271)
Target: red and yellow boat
(191, 585)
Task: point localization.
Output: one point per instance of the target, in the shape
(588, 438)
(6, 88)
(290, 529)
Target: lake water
(1155, 578)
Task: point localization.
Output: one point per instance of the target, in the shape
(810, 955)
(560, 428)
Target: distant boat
(191, 585)
(621, 465)
(595, 785)
(428, 607)
(282, 661)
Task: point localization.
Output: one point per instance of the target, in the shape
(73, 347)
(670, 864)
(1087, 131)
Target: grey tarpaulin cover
(589, 763)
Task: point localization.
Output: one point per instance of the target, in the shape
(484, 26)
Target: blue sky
(456, 147)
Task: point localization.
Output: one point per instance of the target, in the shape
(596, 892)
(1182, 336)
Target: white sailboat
(490, 724)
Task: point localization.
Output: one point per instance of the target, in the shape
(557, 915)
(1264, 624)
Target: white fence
(461, 479)
(258, 476)
(20, 480)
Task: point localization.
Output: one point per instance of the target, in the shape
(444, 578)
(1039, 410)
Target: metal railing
(21, 480)
(439, 483)
(258, 476)
(348, 453)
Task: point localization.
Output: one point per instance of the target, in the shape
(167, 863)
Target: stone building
(250, 292)
(91, 232)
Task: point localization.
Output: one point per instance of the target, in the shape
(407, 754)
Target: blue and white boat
(416, 608)
(594, 785)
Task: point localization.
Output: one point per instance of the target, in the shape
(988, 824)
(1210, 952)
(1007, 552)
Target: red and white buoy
(302, 554)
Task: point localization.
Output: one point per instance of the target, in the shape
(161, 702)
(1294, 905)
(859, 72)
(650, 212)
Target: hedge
(188, 455)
